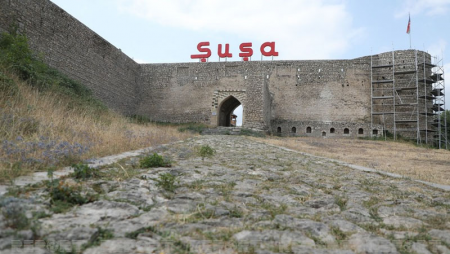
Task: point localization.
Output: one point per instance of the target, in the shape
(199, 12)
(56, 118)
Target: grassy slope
(48, 120)
(403, 158)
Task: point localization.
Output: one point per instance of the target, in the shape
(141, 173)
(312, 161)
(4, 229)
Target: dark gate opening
(226, 110)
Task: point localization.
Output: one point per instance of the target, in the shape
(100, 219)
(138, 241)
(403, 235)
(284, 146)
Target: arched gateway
(226, 109)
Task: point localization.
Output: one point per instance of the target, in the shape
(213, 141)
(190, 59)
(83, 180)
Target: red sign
(246, 50)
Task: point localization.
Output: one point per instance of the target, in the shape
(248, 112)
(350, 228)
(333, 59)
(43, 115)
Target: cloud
(304, 29)
(427, 7)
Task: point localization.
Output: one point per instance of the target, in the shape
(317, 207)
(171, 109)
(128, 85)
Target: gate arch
(226, 109)
(224, 103)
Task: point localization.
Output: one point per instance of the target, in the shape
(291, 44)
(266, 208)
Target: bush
(153, 161)
(7, 86)
(13, 213)
(139, 119)
(193, 127)
(206, 152)
(83, 171)
(16, 56)
(63, 195)
(167, 182)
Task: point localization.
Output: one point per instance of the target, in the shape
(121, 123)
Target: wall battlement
(304, 97)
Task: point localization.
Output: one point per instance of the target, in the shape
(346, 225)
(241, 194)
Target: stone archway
(226, 108)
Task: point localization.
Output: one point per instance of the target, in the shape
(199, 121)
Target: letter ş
(246, 50)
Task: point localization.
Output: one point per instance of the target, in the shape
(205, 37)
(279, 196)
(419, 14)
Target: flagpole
(409, 30)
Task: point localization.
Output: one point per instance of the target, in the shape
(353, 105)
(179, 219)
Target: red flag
(408, 29)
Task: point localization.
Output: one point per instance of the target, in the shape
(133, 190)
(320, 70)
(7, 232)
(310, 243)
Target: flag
(408, 29)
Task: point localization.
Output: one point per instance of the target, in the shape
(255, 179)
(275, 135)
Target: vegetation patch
(83, 171)
(193, 128)
(64, 196)
(206, 152)
(153, 161)
(167, 181)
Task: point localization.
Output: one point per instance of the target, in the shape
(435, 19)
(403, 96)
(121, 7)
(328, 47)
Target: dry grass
(39, 130)
(406, 159)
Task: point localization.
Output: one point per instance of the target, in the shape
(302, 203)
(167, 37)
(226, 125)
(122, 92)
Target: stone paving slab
(249, 197)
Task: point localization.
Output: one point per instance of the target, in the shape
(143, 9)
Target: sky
(168, 31)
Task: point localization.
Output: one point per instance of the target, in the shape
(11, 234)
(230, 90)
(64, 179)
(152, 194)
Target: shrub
(193, 127)
(63, 195)
(98, 237)
(15, 55)
(206, 152)
(13, 213)
(167, 182)
(83, 171)
(153, 161)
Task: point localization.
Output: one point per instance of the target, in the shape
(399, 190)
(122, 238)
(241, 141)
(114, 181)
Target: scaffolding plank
(382, 97)
(428, 114)
(404, 72)
(382, 81)
(428, 81)
(382, 113)
(409, 129)
(405, 88)
(426, 64)
(428, 130)
(406, 121)
(406, 104)
(382, 66)
(427, 97)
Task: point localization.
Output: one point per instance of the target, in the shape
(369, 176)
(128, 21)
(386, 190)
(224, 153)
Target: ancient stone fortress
(361, 97)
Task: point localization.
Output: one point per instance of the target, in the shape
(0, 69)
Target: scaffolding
(407, 96)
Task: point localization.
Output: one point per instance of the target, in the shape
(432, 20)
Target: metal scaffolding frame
(406, 95)
(441, 138)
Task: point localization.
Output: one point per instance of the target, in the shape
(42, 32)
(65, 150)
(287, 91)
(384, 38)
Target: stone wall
(320, 91)
(75, 50)
(284, 97)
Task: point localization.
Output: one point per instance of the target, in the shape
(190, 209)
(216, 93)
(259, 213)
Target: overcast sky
(168, 31)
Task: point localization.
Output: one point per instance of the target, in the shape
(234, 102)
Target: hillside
(48, 120)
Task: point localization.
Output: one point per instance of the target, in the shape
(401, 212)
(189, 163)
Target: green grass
(17, 57)
(153, 161)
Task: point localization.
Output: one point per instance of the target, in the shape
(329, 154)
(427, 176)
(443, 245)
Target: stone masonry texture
(331, 97)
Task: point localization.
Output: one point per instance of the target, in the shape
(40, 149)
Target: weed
(97, 238)
(83, 171)
(236, 213)
(338, 233)
(153, 161)
(13, 213)
(139, 119)
(341, 202)
(273, 209)
(373, 211)
(135, 234)
(197, 184)
(371, 202)
(193, 127)
(64, 196)
(167, 181)
(206, 152)
(252, 133)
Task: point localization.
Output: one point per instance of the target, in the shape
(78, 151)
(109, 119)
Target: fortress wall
(75, 50)
(193, 92)
(325, 91)
(275, 91)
